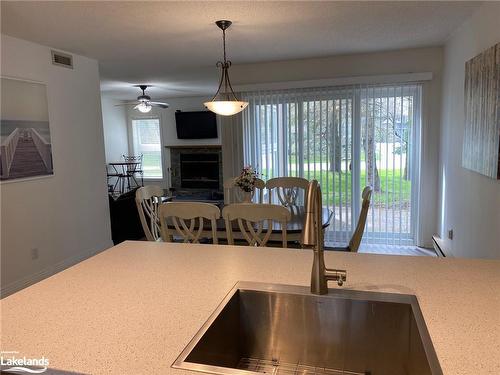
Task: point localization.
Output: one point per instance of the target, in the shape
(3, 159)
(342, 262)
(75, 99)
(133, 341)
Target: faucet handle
(340, 276)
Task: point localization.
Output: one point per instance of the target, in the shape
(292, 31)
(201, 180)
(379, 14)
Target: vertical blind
(346, 138)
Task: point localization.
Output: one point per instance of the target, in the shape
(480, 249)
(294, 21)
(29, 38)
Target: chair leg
(116, 184)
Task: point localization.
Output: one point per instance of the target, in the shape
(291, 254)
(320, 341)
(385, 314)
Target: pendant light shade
(226, 107)
(225, 102)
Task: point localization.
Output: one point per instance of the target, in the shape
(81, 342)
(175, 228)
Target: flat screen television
(196, 125)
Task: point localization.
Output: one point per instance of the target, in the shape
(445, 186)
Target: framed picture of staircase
(25, 148)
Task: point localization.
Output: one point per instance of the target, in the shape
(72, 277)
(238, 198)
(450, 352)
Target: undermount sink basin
(283, 329)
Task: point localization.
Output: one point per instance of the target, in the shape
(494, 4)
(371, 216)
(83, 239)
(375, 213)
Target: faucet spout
(312, 237)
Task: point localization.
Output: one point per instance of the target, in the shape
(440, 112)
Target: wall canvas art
(481, 145)
(25, 149)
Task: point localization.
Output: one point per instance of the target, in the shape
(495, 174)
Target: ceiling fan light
(143, 107)
(226, 107)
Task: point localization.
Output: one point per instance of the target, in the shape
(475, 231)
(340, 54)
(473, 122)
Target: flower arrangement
(246, 180)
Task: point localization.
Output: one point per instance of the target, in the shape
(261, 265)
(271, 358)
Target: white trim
(29, 280)
(341, 81)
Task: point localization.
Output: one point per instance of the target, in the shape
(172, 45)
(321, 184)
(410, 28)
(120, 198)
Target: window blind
(346, 138)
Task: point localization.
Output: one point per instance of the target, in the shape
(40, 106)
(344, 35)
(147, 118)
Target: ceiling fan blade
(159, 104)
(127, 103)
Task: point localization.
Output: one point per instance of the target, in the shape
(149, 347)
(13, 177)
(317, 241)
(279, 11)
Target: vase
(247, 196)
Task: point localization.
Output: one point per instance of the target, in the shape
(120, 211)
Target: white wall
(413, 60)
(65, 217)
(114, 121)
(169, 132)
(469, 202)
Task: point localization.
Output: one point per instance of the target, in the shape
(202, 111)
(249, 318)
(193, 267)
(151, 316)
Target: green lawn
(393, 188)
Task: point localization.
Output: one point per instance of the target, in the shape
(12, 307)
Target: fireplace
(199, 171)
(196, 170)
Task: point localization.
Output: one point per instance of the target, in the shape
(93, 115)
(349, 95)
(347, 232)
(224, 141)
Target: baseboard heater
(439, 247)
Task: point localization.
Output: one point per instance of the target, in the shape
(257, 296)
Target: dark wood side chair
(132, 170)
(117, 186)
(355, 241)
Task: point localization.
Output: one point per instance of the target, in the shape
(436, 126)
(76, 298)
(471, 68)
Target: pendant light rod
(224, 65)
(225, 103)
(223, 25)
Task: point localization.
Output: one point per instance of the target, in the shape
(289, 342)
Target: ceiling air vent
(62, 59)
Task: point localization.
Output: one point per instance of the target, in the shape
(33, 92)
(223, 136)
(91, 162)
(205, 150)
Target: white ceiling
(174, 45)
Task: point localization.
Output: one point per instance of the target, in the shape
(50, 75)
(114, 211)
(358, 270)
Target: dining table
(293, 227)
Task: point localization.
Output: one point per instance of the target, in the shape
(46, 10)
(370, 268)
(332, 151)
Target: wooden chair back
(147, 200)
(251, 218)
(233, 194)
(360, 228)
(290, 191)
(188, 220)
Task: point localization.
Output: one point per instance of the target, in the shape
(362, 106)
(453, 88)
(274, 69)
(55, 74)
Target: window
(346, 138)
(147, 141)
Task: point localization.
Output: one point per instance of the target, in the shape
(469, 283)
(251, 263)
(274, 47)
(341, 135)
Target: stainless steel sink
(282, 329)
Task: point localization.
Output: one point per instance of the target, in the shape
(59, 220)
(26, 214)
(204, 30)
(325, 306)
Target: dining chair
(290, 191)
(131, 170)
(233, 194)
(147, 200)
(251, 218)
(112, 172)
(187, 219)
(357, 236)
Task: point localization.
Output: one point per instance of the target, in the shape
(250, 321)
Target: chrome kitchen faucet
(312, 237)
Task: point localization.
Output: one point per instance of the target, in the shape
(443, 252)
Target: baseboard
(29, 280)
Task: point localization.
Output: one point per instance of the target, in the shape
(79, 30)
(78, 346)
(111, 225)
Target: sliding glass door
(346, 138)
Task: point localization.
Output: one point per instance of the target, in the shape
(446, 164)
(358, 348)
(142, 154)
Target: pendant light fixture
(225, 103)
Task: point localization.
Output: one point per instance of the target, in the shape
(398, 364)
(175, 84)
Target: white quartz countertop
(133, 308)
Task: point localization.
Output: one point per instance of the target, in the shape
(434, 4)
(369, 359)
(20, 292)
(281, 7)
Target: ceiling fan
(144, 103)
